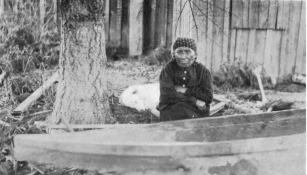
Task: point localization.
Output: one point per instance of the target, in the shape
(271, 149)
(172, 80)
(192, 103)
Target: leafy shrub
(158, 56)
(235, 74)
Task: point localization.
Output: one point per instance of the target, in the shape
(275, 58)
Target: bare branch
(179, 16)
(194, 19)
(210, 19)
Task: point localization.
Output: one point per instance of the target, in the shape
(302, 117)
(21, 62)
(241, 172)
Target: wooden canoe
(266, 143)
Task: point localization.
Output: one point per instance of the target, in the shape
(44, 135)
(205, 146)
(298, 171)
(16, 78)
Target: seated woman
(186, 88)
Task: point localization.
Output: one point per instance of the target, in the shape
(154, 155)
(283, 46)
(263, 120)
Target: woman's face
(184, 56)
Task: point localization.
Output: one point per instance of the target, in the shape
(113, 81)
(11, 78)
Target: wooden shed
(269, 32)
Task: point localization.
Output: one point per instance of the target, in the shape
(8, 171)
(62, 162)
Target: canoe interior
(234, 127)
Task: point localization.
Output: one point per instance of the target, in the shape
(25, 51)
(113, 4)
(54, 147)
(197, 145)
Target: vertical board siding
(232, 45)
(209, 36)
(251, 46)
(237, 13)
(272, 14)
(245, 14)
(169, 23)
(283, 14)
(301, 48)
(270, 33)
(253, 13)
(260, 42)
(290, 37)
(218, 33)
(226, 33)
(271, 54)
(263, 14)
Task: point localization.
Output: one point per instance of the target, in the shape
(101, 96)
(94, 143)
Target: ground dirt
(120, 75)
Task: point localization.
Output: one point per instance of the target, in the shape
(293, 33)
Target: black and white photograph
(153, 87)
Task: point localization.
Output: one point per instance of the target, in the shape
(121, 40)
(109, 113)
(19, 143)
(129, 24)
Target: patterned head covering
(185, 42)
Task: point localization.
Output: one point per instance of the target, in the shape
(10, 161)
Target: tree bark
(81, 92)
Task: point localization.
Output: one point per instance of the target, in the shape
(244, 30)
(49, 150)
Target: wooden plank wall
(271, 33)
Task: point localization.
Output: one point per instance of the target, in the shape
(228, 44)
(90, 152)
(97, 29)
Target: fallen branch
(250, 96)
(216, 108)
(257, 72)
(4, 123)
(85, 126)
(35, 95)
(240, 108)
(38, 115)
(232, 105)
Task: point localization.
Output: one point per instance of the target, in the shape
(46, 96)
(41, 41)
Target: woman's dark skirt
(183, 110)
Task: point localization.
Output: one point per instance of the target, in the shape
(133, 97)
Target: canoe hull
(274, 146)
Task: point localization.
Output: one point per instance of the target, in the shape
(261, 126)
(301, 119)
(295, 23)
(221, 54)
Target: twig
(181, 10)
(36, 168)
(4, 123)
(209, 18)
(196, 26)
(40, 113)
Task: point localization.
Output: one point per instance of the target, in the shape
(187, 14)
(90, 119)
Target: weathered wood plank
(254, 14)
(271, 54)
(136, 27)
(237, 14)
(242, 45)
(288, 52)
(245, 19)
(260, 46)
(301, 42)
(251, 46)
(263, 14)
(272, 14)
(35, 95)
(176, 19)
(209, 37)
(303, 71)
(1, 7)
(283, 14)
(218, 32)
(238, 45)
(232, 50)
(201, 32)
(227, 33)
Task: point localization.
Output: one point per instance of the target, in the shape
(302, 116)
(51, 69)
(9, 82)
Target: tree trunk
(81, 92)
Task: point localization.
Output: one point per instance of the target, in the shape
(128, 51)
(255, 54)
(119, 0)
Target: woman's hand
(201, 105)
(180, 89)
